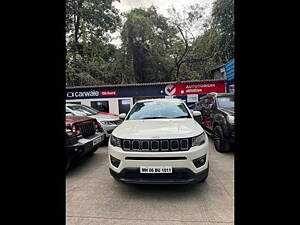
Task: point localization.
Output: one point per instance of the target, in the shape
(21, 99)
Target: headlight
(69, 133)
(230, 119)
(98, 127)
(198, 140)
(73, 129)
(115, 141)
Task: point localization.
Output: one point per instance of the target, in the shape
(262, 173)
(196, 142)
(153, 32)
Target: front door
(207, 112)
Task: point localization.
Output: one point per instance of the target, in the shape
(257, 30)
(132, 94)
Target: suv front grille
(157, 145)
(117, 122)
(87, 129)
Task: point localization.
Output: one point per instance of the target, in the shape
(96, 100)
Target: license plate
(97, 140)
(155, 169)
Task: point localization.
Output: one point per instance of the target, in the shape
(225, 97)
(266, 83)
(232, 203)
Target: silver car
(107, 122)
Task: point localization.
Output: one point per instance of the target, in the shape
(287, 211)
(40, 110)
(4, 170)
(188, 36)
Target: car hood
(70, 120)
(229, 111)
(102, 117)
(158, 129)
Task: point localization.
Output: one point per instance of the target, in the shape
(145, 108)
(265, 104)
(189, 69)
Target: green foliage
(206, 47)
(88, 54)
(146, 40)
(223, 20)
(153, 49)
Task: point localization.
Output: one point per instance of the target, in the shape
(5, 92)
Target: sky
(161, 5)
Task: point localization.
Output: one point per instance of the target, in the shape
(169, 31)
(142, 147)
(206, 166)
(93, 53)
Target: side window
(124, 105)
(102, 106)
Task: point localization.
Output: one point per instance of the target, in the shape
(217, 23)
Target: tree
(146, 40)
(223, 20)
(88, 23)
(206, 46)
(92, 18)
(192, 19)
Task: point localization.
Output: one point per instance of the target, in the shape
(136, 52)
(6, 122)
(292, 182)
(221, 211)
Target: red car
(83, 137)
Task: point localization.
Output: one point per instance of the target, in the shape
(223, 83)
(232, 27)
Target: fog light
(114, 161)
(199, 161)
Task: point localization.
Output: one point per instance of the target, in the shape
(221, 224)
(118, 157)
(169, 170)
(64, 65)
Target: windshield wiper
(155, 117)
(181, 117)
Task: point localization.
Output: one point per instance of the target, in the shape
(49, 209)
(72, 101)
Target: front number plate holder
(155, 169)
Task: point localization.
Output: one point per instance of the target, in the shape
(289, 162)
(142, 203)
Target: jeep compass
(159, 142)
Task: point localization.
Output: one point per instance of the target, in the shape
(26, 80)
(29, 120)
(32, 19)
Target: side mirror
(196, 113)
(197, 116)
(122, 115)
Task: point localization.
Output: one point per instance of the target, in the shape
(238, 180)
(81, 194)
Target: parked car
(83, 136)
(218, 118)
(159, 142)
(107, 122)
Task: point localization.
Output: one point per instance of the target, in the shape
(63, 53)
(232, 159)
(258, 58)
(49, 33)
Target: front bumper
(180, 161)
(84, 146)
(179, 176)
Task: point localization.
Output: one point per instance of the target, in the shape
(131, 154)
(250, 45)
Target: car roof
(224, 94)
(161, 100)
(217, 94)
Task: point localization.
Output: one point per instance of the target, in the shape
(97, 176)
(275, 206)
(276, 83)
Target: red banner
(195, 88)
(108, 93)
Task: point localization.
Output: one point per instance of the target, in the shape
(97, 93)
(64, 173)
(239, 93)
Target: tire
(68, 163)
(218, 137)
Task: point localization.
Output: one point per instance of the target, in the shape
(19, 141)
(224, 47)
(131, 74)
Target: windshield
(158, 110)
(83, 109)
(226, 101)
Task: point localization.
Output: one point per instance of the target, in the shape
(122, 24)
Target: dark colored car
(218, 118)
(83, 137)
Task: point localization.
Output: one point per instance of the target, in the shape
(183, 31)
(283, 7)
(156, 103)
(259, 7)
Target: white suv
(159, 142)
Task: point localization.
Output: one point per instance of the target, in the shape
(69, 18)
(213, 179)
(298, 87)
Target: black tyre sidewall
(224, 147)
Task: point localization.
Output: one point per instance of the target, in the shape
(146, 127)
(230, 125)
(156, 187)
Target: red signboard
(195, 88)
(108, 93)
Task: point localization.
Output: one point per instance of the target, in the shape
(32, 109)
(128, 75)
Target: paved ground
(94, 197)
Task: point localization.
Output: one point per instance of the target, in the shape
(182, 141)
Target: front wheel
(218, 137)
